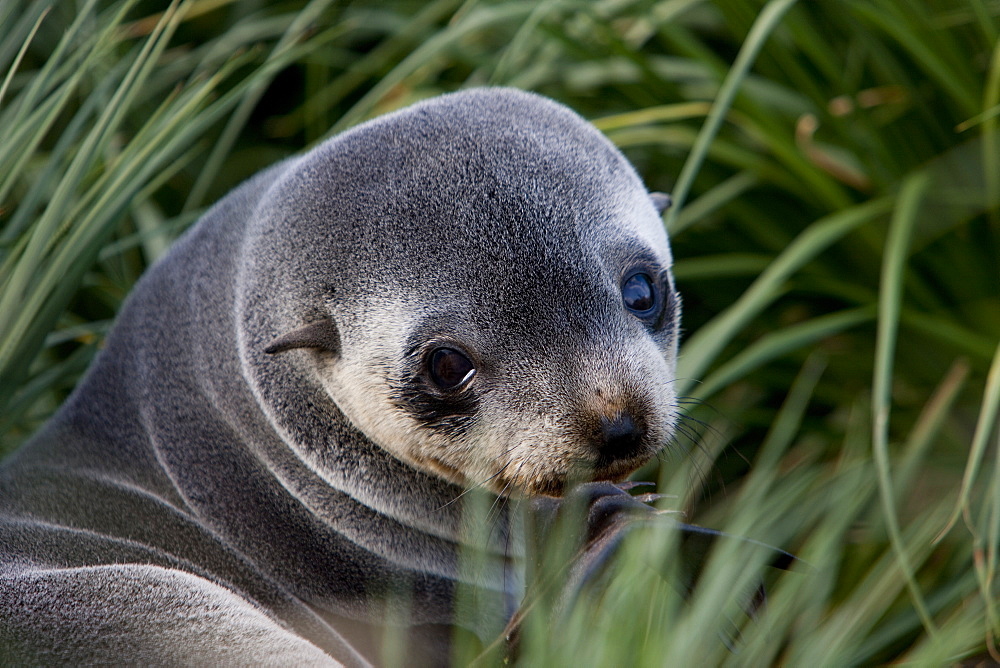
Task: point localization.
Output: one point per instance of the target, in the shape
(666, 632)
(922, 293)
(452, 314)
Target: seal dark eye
(639, 294)
(450, 368)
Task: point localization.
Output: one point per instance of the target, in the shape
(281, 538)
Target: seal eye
(639, 294)
(450, 368)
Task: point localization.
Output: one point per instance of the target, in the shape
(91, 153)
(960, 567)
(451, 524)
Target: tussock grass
(837, 236)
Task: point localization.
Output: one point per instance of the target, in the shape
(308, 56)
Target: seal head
(489, 301)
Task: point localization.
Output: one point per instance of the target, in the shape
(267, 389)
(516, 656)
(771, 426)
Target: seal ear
(321, 334)
(661, 201)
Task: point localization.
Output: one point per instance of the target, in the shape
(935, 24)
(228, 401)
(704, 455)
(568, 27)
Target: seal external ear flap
(321, 334)
(661, 201)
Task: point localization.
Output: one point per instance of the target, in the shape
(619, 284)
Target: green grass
(837, 240)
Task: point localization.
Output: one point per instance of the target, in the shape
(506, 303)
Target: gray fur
(254, 462)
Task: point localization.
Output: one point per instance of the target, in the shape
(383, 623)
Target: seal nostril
(620, 436)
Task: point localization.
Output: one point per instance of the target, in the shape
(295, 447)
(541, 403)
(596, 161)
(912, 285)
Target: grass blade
(769, 18)
(890, 298)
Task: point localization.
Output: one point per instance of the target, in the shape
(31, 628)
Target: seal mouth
(556, 484)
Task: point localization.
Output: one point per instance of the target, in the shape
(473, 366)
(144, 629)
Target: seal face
(474, 291)
(515, 325)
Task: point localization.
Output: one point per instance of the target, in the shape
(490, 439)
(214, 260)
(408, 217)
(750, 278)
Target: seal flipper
(321, 334)
(609, 513)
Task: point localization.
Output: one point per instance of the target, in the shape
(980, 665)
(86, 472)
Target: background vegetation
(837, 170)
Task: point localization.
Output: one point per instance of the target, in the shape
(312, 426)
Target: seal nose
(620, 436)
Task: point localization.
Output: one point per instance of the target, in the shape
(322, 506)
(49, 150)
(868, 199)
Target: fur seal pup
(474, 291)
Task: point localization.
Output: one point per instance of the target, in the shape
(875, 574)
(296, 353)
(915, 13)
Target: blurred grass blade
(516, 50)
(223, 145)
(776, 344)
(713, 199)
(20, 55)
(27, 292)
(987, 568)
(29, 118)
(928, 426)
(650, 115)
(701, 349)
(477, 19)
(890, 298)
(367, 64)
(758, 35)
(783, 430)
(991, 144)
(984, 427)
(931, 48)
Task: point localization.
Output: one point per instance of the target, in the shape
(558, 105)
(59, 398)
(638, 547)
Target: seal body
(473, 292)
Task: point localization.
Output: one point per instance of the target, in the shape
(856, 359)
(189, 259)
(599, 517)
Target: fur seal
(474, 291)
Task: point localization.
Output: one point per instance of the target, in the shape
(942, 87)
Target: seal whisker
(494, 518)
(480, 485)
